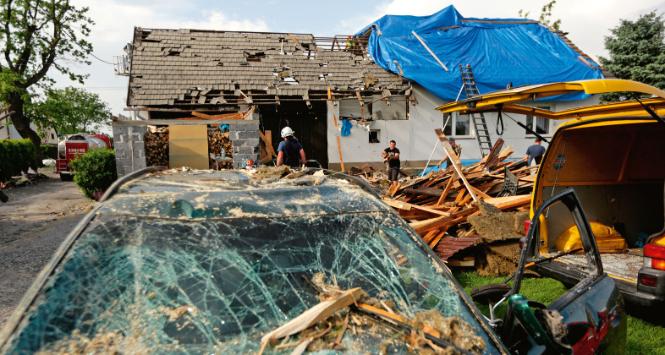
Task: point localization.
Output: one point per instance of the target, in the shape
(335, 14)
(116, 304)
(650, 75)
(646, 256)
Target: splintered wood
(438, 205)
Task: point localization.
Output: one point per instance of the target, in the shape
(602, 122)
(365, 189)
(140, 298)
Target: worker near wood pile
(535, 152)
(391, 155)
(456, 148)
(290, 151)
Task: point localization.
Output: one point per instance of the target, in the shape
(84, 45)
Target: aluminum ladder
(478, 119)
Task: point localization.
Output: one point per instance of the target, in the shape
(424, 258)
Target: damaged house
(345, 96)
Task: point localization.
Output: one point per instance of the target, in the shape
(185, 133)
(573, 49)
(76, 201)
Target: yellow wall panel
(188, 146)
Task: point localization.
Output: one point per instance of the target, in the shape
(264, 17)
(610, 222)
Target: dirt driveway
(33, 223)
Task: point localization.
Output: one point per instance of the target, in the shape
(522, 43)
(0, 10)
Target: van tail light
(647, 280)
(654, 256)
(527, 225)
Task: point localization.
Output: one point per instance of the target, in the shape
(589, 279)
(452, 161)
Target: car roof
(266, 193)
(507, 100)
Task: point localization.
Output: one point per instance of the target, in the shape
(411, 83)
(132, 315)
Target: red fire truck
(75, 145)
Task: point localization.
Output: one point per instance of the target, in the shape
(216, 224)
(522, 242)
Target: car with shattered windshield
(273, 262)
(217, 261)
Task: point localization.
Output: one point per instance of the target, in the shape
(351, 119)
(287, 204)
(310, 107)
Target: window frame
(453, 123)
(534, 123)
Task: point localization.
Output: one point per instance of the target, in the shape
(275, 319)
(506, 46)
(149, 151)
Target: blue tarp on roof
(501, 52)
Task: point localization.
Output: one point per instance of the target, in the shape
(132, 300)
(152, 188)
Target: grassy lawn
(644, 337)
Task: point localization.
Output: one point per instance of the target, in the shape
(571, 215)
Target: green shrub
(95, 171)
(16, 155)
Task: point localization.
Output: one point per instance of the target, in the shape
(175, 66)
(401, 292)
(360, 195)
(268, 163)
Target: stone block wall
(244, 137)
(129, 148)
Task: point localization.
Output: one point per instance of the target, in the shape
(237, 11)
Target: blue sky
(587, 21)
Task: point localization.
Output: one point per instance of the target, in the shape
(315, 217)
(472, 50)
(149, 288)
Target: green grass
(644, 337)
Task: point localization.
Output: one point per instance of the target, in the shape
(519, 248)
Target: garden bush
(95, 171)
(16, 155)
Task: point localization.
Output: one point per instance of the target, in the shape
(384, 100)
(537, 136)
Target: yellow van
(613, 157)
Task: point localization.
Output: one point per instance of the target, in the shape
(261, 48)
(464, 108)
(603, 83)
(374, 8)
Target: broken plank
(454, 159)
(428, 191)
(310, 317)
(404, 206)
(446, 191)
(505, 203)
(440, 222)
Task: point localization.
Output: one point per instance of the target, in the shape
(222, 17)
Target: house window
(457, 125)
(540, 125)
(374, 135)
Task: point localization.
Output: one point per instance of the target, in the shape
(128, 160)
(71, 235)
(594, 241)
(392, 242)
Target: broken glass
(178, 266)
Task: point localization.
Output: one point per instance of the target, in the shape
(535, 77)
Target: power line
(101, 60)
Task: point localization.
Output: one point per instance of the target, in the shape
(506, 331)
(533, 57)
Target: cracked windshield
(177, 283)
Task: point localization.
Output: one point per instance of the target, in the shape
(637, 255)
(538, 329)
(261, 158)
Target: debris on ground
(462, 217)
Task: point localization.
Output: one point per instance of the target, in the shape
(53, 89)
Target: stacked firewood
(157, 147)
(156, 141)
(219, 141)
(447, 209)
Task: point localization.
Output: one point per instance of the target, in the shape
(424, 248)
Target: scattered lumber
(320, 312)
(438, 206)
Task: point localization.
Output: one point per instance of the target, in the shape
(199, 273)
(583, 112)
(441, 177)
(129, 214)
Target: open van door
(588, 318)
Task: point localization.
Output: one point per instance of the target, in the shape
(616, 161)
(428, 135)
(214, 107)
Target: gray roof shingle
(185, 67)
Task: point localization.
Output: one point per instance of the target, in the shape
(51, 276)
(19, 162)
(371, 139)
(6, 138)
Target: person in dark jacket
(290, 152)
(391, 156)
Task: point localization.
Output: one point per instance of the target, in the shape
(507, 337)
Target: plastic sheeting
(209, 265)
(501, 52)
(346, 127)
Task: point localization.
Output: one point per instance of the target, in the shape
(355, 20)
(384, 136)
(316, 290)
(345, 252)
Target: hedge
(16, 155)
(95, 171)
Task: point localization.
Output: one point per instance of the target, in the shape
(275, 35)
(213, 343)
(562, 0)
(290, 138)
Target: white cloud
(114, 26)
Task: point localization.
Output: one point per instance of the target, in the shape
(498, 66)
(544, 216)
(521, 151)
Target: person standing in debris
(290, 151)
(391, 155)
(535, 152)
(456, 148)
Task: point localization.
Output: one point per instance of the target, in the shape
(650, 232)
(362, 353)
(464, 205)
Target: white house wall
(415, 137)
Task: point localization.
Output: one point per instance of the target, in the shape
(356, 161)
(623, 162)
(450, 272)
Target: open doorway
(308, 123)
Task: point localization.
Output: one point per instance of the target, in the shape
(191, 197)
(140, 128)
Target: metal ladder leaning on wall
(478, 119)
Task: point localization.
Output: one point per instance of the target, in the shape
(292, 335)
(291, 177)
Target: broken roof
(205, 69)
(501, 52)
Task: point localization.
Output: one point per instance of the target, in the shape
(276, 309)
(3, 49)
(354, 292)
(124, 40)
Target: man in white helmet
(290, 151)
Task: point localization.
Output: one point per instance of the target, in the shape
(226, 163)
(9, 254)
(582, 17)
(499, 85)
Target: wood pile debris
(156, 141)
(374, 177)
(323, 326)
(219, 141)
(470, 216)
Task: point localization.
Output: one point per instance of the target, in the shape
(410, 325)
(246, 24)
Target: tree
(70, 110)
(637, 51)
(37, 35)
(545, 16)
